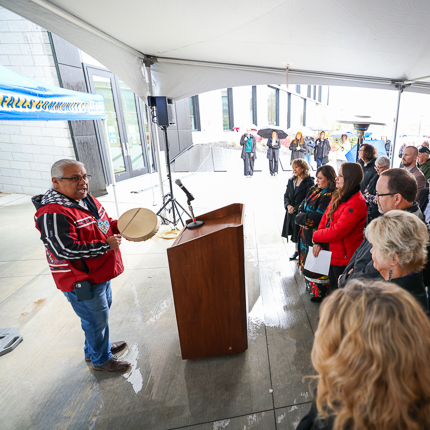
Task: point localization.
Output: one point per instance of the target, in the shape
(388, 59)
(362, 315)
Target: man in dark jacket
(82, 248)
(424, 162)
(395, 189)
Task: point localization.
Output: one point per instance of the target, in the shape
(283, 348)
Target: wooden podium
(207, 269)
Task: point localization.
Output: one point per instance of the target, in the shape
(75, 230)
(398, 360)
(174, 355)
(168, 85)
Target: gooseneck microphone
(195, 223)
(190, 197)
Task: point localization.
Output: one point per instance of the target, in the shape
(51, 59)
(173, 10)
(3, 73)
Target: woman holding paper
(308, 218)
(341, 228)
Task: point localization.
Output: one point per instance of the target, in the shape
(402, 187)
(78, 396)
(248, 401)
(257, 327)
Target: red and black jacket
(75, 240)
(345, 233)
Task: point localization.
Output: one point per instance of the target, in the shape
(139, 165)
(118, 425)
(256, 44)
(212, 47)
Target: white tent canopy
(199, 45)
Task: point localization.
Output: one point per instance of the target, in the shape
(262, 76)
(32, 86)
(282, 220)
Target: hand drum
(138, 224)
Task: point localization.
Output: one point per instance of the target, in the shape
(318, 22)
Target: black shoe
(294, 256)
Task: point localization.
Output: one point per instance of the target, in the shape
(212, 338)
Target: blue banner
(378, 144)
(22, 99)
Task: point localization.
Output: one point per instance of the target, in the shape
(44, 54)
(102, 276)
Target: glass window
(132, 126)
(227, 109)
(296, 111)
(272, 106)
(195, 113)
(192, 114)
(225, 116)
(103, 86)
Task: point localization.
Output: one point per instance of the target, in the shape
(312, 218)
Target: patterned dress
(309, 216)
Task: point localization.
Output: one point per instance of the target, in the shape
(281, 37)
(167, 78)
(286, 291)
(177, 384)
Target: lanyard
(97, 216)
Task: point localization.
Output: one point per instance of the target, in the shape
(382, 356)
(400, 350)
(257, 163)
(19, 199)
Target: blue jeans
(94, 315)
(319, 161)
(308, 158)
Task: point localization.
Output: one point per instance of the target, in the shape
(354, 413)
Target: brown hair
(369, 152)
(329, 173)
(352, 176)
(400, 181)
(302, 141)
(300, 162)
(371, 353)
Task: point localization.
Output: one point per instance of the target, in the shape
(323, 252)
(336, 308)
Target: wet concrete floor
(45, 382)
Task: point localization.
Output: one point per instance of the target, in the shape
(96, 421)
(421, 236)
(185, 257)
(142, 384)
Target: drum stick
(125, 228)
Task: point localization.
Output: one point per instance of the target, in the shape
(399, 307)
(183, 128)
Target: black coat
(415, 285)
(294, 198)
(369, 173)
(312, 422)
(424, 199)
(273, 149)
(243, 145)
(372, 208)
(362, 262)
(325, 145)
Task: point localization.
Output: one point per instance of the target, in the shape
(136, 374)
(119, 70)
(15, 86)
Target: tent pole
(400, 86)
(112, 171)
(154, 134)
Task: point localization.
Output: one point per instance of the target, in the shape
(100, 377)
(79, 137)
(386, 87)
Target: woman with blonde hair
(298, 147)
(399, 252)
(371, 353)
(297, 188)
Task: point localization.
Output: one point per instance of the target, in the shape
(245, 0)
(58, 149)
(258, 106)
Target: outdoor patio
(46, 383)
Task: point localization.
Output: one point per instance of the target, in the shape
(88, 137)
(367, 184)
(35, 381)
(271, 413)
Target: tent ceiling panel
(386, 39)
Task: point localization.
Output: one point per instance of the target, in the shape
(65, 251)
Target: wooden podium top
(228, 216)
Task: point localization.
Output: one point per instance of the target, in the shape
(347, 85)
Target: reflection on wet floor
(51, 386)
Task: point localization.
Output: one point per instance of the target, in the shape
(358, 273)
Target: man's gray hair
(382, 161)
(57, 169)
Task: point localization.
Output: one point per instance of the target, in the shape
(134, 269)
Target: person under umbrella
(322, 149)
(273, 145)
(248, 143)
(298, 147)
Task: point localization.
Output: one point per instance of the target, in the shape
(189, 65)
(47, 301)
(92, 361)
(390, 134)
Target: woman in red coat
(341, 228)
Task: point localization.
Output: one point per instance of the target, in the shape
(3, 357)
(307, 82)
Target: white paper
(321, 264)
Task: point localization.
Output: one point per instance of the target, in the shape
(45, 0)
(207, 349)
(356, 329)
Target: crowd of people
(369, 348)
(301, 147)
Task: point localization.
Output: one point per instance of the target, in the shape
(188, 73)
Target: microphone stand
(168, 198)
(195, 223)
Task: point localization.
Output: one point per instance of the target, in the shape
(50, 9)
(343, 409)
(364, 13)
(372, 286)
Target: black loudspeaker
(165, 110)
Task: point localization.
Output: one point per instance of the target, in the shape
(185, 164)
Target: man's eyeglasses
(77, 178)
(385, 194)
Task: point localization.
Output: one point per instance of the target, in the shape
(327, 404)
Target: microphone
(189, 195)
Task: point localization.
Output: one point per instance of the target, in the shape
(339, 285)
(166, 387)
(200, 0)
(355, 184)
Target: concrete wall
(29, 148)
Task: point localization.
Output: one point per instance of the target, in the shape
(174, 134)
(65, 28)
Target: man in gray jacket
(395, 189)
(409, 161)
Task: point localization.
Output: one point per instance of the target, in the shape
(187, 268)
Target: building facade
(29, 148)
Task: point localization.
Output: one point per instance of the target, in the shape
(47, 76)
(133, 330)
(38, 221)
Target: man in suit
(409, 161)
(396, 189)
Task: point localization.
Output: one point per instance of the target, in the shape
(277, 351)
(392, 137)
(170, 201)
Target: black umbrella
(266, 132)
